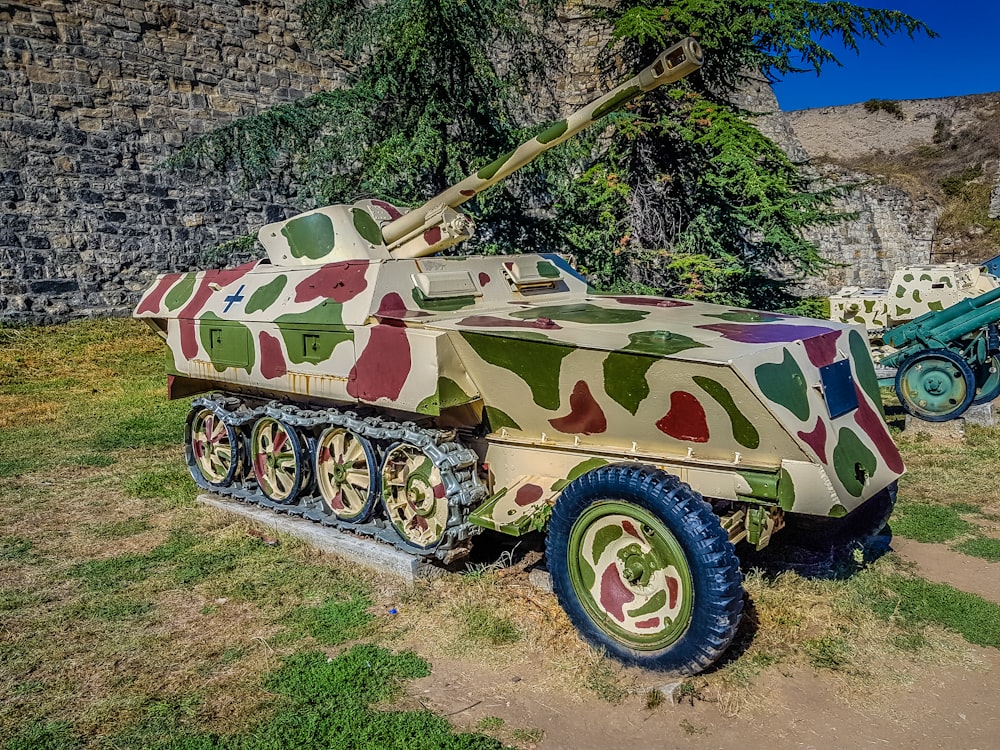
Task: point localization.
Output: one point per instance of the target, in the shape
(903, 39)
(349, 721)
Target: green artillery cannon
(948, 360)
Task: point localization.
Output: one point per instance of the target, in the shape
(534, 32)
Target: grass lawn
(131, 617)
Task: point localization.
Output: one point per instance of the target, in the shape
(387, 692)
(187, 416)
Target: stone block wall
(93, 95)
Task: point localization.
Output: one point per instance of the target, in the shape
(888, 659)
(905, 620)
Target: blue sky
(963, 59)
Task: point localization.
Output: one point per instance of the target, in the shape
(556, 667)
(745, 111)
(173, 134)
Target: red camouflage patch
(383, 366)
(527, 494)
(686, 419)
(272, 358)
(614, 594)
(585, 416)
(152, 301)
(337, 281)
(816, 439)
(874, 427)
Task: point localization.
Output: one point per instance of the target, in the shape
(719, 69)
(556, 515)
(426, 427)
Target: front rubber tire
(669, 554)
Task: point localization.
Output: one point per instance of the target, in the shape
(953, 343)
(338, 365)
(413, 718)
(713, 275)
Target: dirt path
(938, 563)
(956, 709)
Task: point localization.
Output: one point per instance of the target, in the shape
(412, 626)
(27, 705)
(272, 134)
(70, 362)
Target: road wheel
(279, 460)
(414, 495)
(644, 569)
(211, 448)
(346, 473)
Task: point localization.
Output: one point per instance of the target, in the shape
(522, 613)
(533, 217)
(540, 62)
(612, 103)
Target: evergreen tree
(426, 105)
(679, 195)
(687, 198)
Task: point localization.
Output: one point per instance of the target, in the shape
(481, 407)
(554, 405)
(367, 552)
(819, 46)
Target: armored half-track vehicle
(362, 383)
(913, 291)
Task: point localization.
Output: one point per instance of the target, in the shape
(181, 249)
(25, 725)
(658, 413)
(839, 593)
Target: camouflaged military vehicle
(362, 384)
(913, 291)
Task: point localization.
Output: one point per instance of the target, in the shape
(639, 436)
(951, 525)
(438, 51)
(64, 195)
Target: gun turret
(374, 229)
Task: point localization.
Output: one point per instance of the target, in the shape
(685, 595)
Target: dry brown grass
(104, 658)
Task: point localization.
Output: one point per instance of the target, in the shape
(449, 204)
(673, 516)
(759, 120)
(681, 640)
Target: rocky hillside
(930, 174)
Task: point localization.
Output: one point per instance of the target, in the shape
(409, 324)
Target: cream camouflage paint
(356, 376)
(584, 375)
(913, 291)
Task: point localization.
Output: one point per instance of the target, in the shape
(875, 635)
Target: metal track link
(456, 463)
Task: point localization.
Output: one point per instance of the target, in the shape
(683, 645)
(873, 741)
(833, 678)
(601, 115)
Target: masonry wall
(93, 95)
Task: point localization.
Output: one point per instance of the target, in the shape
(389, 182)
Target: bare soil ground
(952, 706)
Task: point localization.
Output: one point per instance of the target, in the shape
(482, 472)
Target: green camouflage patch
(180, 293)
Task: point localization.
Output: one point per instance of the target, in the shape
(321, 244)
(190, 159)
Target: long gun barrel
(680, 60)
(948, 324)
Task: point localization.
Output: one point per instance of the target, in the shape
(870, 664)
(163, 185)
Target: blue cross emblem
(233, 299)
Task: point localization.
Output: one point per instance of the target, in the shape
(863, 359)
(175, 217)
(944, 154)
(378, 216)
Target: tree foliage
(687, 197)
(425, 105)
(680, 194)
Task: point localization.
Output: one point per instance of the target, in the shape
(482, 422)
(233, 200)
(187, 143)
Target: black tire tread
(712, 560)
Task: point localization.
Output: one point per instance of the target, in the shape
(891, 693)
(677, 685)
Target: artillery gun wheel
(935, 385)
(987, 380)
(278, 459)
(414, 496)
(643, 567)
(211, 447)
(346, 473)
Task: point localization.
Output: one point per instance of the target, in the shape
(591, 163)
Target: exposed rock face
(93, 95)
(893, 227)
(995, 199)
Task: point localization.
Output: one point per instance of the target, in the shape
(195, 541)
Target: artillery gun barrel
(963, 326)
(933, 323)
(675, 63)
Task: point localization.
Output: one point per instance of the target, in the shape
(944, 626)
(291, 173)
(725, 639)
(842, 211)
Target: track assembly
(322, 465)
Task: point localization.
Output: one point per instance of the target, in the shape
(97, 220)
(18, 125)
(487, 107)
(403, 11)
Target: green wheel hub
(935, 385)
(630, 574)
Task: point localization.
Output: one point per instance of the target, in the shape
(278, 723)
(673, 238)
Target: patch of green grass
(929, 522)
(527, 734)
(984, 547)
(111, 608)
(158, 425)
(119, 529)
(12, 600)
(603, 680)
(490, 724)
(16, 549)
(481, 624)
(97, 385)
(654, 698)
(828, 652)
(915, 601)
(172, 484)
(45, 735)
(12, 466)
(333, 622)
(321, 702)
(121, 570)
